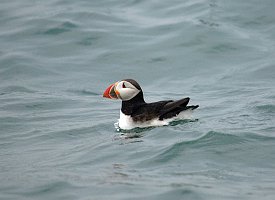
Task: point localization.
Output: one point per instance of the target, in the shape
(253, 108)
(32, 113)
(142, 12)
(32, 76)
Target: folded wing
(173, 108)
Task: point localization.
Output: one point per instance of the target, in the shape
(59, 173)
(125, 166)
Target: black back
(141, 111)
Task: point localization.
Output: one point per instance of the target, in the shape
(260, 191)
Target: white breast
(126, 122)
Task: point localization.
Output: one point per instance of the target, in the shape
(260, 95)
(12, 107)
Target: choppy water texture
(57, 134)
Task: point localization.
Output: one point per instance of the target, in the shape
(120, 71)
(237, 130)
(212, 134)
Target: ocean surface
(57, 133)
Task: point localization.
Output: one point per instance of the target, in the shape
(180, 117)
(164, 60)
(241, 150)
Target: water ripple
(62, 28)
(209, 141)
(57, 139)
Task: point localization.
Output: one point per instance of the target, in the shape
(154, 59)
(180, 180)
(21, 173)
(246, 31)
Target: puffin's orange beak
(111, 92)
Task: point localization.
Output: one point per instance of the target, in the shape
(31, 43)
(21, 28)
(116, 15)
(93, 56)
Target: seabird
(135, 112)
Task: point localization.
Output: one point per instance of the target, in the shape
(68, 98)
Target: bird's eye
(123, 85)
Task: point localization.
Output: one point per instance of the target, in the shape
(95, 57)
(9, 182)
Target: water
(57, 133)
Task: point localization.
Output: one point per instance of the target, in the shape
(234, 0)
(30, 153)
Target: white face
(126, 90)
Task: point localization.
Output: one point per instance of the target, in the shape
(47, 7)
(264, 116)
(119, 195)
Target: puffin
(136, 113)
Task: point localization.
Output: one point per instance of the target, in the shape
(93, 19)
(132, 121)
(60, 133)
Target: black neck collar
(129, 106)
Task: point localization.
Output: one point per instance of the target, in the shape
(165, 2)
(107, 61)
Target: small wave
(215, 143)
(84, 92)
(22, 69)
(209, 23)
(178, 193)
(263, 72)
(259, 137)
(88, 41)
(210, 140)
(157, 59)
(15, 88)
(183, 121)
(62, 28)
(269, 108)
(48, 188)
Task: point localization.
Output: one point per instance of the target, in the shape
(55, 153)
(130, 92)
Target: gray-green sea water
(57, 133)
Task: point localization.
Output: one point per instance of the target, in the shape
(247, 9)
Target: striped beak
(111, 92)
